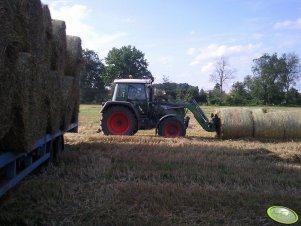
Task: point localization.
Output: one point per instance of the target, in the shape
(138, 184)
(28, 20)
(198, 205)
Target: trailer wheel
(119, 121)
(171, 127)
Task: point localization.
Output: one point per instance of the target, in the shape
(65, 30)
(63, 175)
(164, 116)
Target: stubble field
(148, 180)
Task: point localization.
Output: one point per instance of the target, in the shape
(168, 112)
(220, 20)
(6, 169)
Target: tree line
(272, 81)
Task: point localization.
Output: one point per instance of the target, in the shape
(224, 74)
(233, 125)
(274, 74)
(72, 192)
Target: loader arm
(197, 112)
(199, 115)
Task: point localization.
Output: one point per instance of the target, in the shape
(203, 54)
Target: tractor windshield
(129, 92)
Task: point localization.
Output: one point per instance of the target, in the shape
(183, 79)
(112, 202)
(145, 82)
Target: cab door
(137, 95)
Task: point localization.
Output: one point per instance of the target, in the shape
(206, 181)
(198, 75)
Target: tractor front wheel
(171, 127)
(118, 121)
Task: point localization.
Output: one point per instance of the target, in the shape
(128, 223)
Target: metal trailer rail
(15, 166)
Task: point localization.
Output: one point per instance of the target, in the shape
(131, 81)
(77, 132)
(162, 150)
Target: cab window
(136, 92)
(120, 91)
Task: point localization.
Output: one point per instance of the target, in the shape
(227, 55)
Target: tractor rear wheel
(118, 121)
(171, 127)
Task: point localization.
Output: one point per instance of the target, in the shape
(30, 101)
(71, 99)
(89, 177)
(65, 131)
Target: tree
(215, 96)
(92, 89)
(187, 92)
(165, 79)
(222, 72)
(124, 62)
(238, 95)
(293, 97)
(179, 91)
(202, 97)
(267, 72)
(291, 72)
(253, 88)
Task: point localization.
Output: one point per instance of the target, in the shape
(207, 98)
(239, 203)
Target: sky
(183, 39)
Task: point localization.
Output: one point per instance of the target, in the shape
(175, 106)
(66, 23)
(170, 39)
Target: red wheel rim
(118, 123)
(171, 130)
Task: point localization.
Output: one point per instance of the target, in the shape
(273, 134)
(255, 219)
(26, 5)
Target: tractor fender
(129, 105)
(162, 119)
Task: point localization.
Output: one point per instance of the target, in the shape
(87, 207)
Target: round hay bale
(9, 39)
(53, 100)
(29, 26)
(235, 122)
(67, 101)
(47, 24)
(58, 46)
(71, 107)
(74, 56)
(268, 125)
(27, 115)
(47, 36)
(261, 110)
(9, 42)
(71, 80)
(292, 124)
(6, 99)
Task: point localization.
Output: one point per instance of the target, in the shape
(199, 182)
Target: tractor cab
(131, 89)
(135, 91)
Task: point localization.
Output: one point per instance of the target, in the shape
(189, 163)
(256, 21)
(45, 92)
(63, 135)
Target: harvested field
(148, 180)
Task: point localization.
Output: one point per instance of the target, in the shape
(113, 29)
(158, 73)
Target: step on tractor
(136, 105)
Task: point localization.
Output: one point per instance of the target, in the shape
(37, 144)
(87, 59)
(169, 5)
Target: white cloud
(191, 51)
(166, 60)
(76, 17)
(239, 58)
(288, 24)
(192, 33)
(257, 36)
(213, 51)
(208, 67)
(128, 20)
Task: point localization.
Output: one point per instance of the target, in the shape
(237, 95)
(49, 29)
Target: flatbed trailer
(15, 166)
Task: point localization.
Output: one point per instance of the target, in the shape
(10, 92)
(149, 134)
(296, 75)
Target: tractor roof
(141, 81)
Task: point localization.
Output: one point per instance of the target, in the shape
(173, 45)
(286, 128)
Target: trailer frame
(15, 166)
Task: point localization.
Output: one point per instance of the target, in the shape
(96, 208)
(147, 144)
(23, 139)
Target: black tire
(119, 120)
(171, 127)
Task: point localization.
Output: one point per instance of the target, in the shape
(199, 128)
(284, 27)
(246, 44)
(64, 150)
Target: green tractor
(135, 106)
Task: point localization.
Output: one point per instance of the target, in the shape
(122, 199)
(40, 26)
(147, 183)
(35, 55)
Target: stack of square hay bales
(39, 74)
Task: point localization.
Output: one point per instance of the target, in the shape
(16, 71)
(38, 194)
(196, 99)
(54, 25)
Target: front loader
(135, 107)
